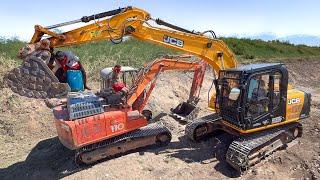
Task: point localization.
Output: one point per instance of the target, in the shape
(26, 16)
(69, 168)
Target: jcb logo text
(294, 101)
(173, 41)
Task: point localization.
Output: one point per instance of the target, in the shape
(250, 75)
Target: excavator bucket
(185, 112)
(34, 79)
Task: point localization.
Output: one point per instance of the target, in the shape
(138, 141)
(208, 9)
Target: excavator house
(253, 103)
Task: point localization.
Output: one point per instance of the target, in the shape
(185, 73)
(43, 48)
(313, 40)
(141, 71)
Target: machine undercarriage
(152, 134)
(243, 151)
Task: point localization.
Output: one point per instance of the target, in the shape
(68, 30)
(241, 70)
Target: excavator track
(247, 151)
(152, 134)
(199, 128)
(34, 79)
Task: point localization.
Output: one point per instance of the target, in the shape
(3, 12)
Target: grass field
(258, 49)
(135, 53)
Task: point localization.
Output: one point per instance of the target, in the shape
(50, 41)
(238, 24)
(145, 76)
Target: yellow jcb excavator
(253, 103)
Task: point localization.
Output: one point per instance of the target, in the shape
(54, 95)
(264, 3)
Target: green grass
(98, 55)
(10, 47)
(133, 52)
(130, 52)
(257, 49)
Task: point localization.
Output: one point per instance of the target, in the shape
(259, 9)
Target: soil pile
(30, 149)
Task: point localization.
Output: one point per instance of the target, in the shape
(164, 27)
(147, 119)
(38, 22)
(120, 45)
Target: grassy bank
(135, 53)
(247, 49)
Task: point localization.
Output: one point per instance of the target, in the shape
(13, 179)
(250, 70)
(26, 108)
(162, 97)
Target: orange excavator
(103, 126)
(253, 103)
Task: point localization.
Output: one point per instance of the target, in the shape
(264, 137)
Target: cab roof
(104, 73)
(251, 68)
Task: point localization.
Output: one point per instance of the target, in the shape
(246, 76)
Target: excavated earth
(29, 148)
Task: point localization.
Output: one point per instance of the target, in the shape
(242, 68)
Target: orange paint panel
(65, 134)
(115, 122)
(88, 130)
(137, 123)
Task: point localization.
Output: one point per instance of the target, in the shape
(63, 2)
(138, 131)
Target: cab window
(276, 89)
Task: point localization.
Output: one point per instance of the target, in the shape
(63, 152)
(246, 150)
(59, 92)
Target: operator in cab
(259, 98)
(115, 81)
(115, 90)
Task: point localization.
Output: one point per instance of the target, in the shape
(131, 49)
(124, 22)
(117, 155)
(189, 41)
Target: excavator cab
(128, 76)
(254, 96)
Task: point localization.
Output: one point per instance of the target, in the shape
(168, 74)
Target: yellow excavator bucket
(34, 79)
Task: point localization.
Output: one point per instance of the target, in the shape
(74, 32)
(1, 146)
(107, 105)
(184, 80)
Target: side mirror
(234, 94)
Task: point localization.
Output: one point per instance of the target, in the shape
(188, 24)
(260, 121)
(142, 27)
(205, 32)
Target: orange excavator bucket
(187, 111)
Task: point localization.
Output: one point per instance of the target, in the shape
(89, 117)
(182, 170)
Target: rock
(149, 168)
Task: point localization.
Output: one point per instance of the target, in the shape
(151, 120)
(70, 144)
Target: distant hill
(308, 40)
(303, 39)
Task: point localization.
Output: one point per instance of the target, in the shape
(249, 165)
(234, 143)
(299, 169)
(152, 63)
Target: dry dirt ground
(29, 148)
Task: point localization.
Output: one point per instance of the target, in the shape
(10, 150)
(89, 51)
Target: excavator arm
(131, 21)
(149, 75)
(114, 26)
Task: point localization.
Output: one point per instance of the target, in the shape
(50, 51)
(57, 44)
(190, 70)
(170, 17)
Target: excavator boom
(150, 72)
(128, 21)
(139, 94)
(131, 21)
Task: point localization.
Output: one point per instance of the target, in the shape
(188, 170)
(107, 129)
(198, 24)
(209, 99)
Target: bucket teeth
(185, 112)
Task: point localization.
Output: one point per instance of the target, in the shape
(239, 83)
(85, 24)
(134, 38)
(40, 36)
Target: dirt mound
(30, 150)
(304, 72)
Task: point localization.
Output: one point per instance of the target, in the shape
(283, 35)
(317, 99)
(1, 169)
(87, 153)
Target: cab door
(278, 89)
(265, 100)
(258, 99)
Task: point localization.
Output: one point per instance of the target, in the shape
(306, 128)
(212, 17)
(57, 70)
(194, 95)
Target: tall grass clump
(258, 49)
(10, 47)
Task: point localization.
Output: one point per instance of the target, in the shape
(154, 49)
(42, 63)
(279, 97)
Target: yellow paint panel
(295, 100)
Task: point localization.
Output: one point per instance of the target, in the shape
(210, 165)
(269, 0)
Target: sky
(225, 17)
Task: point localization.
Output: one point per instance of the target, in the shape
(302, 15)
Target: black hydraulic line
(211, 32)
(86, 19)
(104, 14)
(163, 23)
